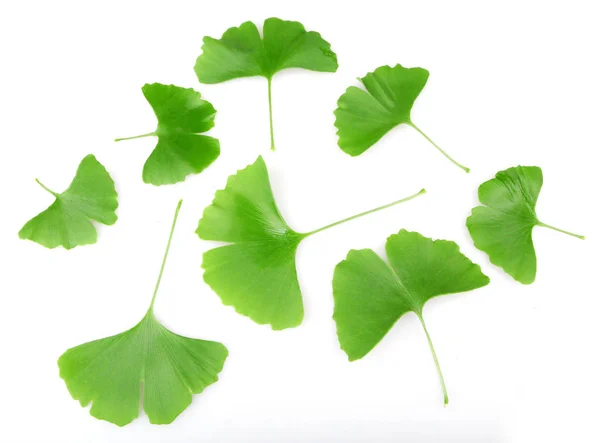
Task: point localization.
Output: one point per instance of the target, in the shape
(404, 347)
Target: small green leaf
(503, 227)
(182, 116)
(371, 295)
(256, 272)
(147, 365)
(242, 53)
(67, 222)
(363, 117)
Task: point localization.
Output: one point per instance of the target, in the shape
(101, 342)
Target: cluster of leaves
(256, 272)
(149, 366)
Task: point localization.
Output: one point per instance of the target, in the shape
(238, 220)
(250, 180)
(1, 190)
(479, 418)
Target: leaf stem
(271, 115)
(435, 359)
(162, 267)
(582, 237)
(135, 136)
(46, 188)
(464, 168)
(422, 191)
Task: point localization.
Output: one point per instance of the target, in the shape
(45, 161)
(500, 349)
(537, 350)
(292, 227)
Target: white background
(511, 83)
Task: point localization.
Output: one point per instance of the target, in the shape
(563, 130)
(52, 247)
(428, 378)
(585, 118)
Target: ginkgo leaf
(67, 222)
(256, 272)
(363, 117)
(503, 227)
(181, 149)
(371, 295)
(147, 365)
(242, 53)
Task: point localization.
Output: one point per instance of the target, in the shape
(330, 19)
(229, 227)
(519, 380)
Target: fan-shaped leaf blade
(67, 222)
(371, 295)
(363, 117)
(503, 228)
(241, 52)
(181, 150)
(147, 365)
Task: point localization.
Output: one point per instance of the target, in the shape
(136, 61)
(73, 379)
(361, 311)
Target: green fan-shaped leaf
(371, 295)
(256, 272)
(147, 365)
(241, 52)
(363, 117)
(181, 149)
(503, 227)
(67, 222)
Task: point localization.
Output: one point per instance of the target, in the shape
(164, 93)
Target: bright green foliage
(256, 272)
(181, 149)
(503, 227)
(371, 295)
(242, 53)
(364, 117)
(67, 222)
(147, 364)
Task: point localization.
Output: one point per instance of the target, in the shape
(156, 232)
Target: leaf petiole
(464, 168)
(435, 359)
(422, 191)
(46, 188)
(162, 266)
(136, 136)
(271, 115)
(582, 237)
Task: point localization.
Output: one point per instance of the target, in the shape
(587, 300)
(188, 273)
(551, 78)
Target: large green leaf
(67, 222)
(181, 149)
(503, 227)
(371, 295)
(147, 365)
(242, 53)
(364, 117)
(256, 272)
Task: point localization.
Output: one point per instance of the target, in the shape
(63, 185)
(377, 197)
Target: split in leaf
(242, 53)
(371, 295)
(181, 149)
(364, 117)
(256, 272)
(147, 365)
(67, 222)
(503, 227)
